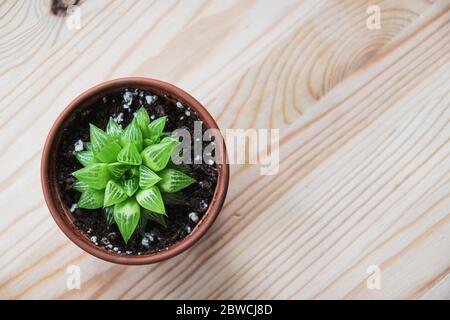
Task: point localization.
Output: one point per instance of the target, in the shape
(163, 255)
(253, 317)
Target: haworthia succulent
(104, 146)
(155, 129)
(156, 217)
(114, 193)
(127, 215)
(85, 157)
(109, 215)
(96, 175)
(133, 133)
(147, 177)
(125, 180)
(117, 169)
(113, 128)
(130, 155)
(91, 199)
(158, 155)
(143, 120)
(173, 180)
(151, 199)
(131, 185)
(174, 198)
(80, 186)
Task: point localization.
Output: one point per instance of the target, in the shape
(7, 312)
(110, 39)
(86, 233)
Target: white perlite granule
(73, 207)
(145, 242)
(203, 205)
(119, 118)
(193, 216)
(148, 237)
(151, 99)
(180, 105)
(78, 146)
(128, 97)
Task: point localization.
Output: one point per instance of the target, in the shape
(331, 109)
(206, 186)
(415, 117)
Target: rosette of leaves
(126, 171)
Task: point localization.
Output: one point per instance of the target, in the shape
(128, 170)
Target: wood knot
(59, 7)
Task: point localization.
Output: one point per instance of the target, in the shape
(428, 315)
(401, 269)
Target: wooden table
(364, 144)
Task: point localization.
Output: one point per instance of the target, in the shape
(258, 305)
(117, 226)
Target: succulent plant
(126, 170)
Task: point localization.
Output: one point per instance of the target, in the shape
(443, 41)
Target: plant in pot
(109, 176)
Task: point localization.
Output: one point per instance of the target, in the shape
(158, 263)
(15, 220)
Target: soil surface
(181, 218)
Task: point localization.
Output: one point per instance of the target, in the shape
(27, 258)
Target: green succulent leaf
(174, 198)
(151, 199)
(127, 215)
(85, 157)
(155, 129)
(165, 135)
(180, 167)
(113, 128)
(96, 175)
(80, 186)
(142, 222)
(104, 146)
(158, 218)
(132, 133)
(109, 215)
(143, 120)
(91, 199)
(168, 138)
(117, 169)
(135, 171)
(149, 142)
(114, 193)
(173, 180)
(131, 185)
(129, 155)
(158, 155)
(87, 146)
(147, 177)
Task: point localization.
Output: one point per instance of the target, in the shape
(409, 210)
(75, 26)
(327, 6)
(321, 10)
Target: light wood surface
(364, 150)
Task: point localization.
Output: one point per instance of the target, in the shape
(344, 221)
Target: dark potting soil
(181, 218)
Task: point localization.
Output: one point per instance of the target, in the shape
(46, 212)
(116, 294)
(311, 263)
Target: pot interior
(77, 117)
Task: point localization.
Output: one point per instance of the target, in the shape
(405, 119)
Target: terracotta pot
(61, 212)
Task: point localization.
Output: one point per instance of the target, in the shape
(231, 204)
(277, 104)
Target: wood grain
(364, 150)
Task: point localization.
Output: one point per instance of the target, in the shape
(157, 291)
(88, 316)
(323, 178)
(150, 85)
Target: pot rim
(61, 213)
